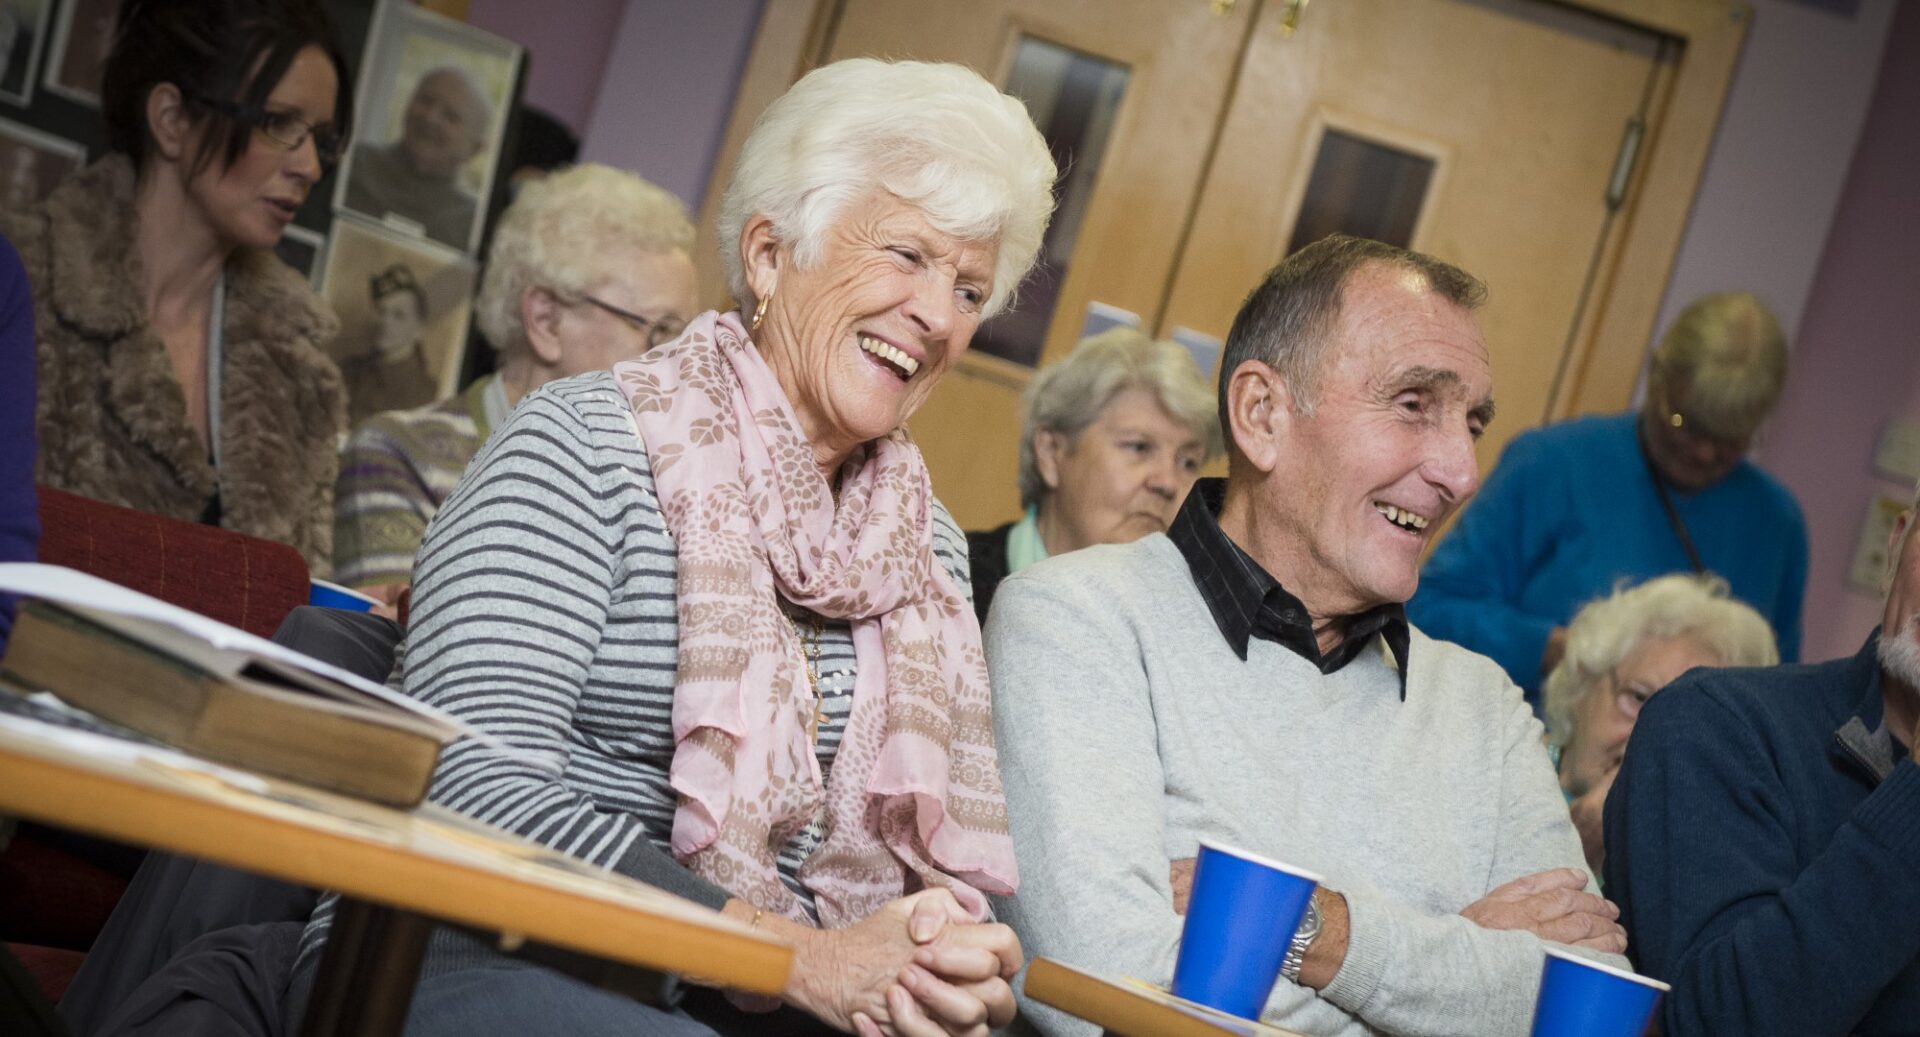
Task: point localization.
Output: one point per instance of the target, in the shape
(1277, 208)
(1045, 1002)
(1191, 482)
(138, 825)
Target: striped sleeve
(514, 586)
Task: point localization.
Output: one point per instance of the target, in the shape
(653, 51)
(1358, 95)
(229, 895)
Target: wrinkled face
(397, 325)
(860, 339)
(249, 203)
(1604, 718)
(1687, 458)
(655, 285)
(1900, 620)
(1121, 478)
(1406, 388)
(444, 125)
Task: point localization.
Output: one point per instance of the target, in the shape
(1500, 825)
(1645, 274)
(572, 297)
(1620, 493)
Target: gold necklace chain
(809, 630)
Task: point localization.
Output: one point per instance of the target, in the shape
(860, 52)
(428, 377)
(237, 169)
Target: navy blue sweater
(1765, 862)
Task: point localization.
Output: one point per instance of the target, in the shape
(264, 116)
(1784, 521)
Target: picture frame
(304, 250)
(32, 164)
(435, 97)
(367, 264)
(77, 58)
(23, 35)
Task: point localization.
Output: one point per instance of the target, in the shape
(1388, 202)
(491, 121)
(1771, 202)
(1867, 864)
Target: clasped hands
(1553, 905)
(919, 967)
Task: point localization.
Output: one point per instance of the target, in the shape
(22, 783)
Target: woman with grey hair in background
(1113, 437)
(1622, 649)
(588, 267)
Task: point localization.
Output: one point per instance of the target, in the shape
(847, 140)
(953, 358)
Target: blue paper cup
(334, 596)
(1581, 998)
(1240, 920)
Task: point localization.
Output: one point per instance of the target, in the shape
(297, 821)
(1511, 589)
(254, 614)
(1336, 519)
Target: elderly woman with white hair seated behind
(589, 267)
(709, 598)
(1113, 437)
(1621, 649)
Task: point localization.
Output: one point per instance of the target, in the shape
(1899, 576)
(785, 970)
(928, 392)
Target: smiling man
(415, 177)
(1250, 677)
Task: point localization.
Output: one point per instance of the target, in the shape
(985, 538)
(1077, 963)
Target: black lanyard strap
(1666, 502)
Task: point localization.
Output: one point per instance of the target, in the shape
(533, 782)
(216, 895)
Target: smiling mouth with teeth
(1401, 517)
(902, 365)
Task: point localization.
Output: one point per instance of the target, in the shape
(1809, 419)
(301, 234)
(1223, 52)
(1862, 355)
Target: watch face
(1310, 923)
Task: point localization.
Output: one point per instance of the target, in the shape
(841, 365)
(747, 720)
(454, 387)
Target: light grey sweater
(1128, 730)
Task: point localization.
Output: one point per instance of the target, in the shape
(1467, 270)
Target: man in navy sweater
(1763, 838)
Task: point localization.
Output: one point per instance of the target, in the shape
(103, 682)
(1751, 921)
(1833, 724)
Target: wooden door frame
(1614, 333)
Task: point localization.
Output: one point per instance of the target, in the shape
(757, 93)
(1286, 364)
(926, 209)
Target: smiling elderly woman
(1113, 438)
(711, 599)
(1620, 650)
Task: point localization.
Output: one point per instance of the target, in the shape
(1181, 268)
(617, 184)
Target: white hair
(935, 135)
(1609, 629)
(1068, 396)
(560, 234)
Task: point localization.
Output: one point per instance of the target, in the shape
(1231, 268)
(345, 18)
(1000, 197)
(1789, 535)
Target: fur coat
(113, 421)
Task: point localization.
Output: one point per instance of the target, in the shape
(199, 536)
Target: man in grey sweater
(1251, 677)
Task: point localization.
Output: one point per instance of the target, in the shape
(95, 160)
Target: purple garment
(19, 507)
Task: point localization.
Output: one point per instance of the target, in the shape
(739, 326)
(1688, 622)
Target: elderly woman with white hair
(1113, 437)
(589, 267)
(1621, 649)
(710, 599)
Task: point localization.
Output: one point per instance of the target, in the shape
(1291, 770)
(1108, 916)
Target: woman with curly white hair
(709, 597)
(1113, 437)
(1623, 648)
(589, 266)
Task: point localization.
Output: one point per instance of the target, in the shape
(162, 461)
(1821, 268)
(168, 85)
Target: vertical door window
(1364, 188)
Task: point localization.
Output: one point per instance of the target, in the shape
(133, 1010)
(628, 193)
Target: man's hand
(1180, 874)
(1588, 811)
(1552, 905)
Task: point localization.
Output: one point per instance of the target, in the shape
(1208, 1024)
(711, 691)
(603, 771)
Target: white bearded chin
(1899, 654)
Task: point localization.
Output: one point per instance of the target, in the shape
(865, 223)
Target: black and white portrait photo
(403, 306)
(434, 96)
(301, 249)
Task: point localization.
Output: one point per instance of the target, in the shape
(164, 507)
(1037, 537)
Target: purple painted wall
(1856, 363)
(567, 43)
(667, 90)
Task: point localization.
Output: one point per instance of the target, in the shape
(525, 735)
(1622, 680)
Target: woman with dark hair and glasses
(181, 363)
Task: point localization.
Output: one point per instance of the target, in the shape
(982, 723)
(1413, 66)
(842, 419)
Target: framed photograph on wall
(403, 305)
(302, 249)
(82, 39)
(434, 99)
(23, 35)
(32, 164)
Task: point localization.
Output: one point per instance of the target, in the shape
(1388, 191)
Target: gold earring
(760, 312)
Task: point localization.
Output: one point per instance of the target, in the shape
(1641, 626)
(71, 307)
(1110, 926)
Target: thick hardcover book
(226, 703)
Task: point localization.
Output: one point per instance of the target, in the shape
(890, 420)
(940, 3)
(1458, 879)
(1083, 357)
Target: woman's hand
(918, 967)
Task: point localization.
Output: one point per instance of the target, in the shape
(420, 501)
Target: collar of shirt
(1247, 602)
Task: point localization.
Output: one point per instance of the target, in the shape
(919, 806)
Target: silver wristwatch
(1302, 939)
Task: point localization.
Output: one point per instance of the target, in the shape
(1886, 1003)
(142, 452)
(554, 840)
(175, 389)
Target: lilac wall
(567, 43)
(667, 90)
(1857, 361)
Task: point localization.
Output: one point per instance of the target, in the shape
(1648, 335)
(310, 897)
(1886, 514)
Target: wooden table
(397, 871)
(1131, 1007)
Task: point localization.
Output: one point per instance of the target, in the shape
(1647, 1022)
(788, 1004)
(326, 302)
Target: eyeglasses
(285, 130)
(657, 331)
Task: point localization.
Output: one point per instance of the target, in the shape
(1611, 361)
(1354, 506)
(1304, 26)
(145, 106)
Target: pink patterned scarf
(914, 797)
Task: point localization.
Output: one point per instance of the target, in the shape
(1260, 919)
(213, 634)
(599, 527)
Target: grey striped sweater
(543, 612)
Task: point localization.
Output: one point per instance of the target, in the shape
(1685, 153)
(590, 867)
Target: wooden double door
(1550, 148)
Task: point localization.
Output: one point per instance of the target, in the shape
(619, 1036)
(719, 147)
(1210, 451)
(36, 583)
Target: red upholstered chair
(51, 901)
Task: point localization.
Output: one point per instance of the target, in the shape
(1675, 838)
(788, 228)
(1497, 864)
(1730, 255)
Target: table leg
(367, 972)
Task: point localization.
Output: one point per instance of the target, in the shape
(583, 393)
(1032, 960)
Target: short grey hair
(1722, 364)
(1286, 321)
(1609, 629)
(559, 234)
(935, 135)
(1068, 396)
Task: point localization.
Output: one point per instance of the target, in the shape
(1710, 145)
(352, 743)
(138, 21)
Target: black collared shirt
(1247, 602)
